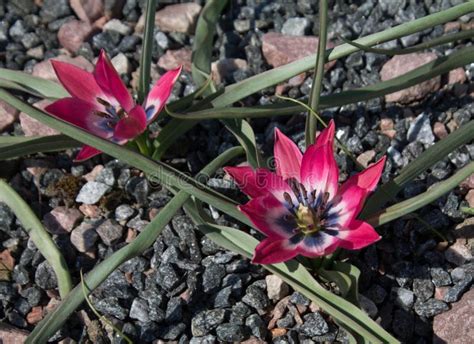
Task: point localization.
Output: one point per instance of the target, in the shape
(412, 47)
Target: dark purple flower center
(112, 113)
(310, 211)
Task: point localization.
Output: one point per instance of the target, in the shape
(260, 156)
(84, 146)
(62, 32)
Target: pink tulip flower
(101, 104)
(301, 208)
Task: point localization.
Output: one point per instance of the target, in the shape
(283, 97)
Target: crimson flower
(101, 104)
(300, 208)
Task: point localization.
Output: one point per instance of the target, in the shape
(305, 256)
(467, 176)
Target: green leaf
(204, 41)
(147, 48)
(26, 82)
(301, 280)
(20, 146)
(428, 158)
(54, 320)
(38, 235)
(242, 89)
(246, 137)
(428, 71)
(410, 205)
(316, 86)
(468, 34)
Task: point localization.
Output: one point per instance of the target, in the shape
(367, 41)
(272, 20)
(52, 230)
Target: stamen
(103, 102)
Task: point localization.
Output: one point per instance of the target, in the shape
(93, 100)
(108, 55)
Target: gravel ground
(185, 288)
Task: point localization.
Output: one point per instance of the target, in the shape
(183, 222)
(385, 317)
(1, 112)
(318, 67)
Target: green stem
(53, 321)
(142, 144)
(38, 235)
(316, 87)
(145, 61)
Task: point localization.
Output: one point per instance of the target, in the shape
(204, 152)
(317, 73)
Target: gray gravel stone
(454, 293)
(212, 277)
(314, 325)
(209, 339)
(256, 298)
(430, 308)
(257, 326)
(139, 310)
(423, 288)
(45, 278)
(420, 130)
(403, 297)
(440, 277)
(295, 26)
(231, 332)
(123, 212)
(92, 192)
(206, 321)
(174, 310)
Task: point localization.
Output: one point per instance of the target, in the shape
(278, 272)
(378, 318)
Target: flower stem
(142, 144)
(318, 73)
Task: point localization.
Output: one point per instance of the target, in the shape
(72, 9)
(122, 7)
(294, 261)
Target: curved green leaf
(38, 235)
(20, 146)
(428, 71)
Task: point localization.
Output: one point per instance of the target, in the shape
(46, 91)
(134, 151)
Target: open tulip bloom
(300, 208)
(101, 104)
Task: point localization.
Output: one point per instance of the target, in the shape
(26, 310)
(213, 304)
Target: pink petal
(160, 93)
(132, 125)
(110, 82)
(78, 82)
(346, 206)
(358, 235)
(287, 156)
(269, 216)
(319, 170)
(86, 152)
(81, 114)
(326, 136)
(273, 251)
(368, 178)
(259, 182)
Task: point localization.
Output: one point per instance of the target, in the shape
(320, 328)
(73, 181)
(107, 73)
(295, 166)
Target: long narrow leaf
(20, 146)
(204, 41)
(272, 77)
(468, 34)
(54, 320)
(38, 235)
(34, 85)
(428, 158)
(415, 203)
(428, 71)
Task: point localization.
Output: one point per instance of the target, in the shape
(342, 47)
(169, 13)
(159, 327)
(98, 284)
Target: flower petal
(358, 235)
(78, 82)
(132, 125)
(160, 93)
(259, 182)
(269, 216)
(86, 152)
(345, 207)
(110, 82)
(81, 114)
(318, 244)
(319, 170)
(327, 135)
(368, 178)
(287, 156)
(273, 251)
